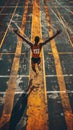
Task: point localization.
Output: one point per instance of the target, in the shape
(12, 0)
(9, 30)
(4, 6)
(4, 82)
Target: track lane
(9, 99)
(39, 118)
(65, 99)
(8, 25)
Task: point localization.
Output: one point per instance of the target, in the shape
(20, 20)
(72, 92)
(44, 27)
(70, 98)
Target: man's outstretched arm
(23, 38)
(49, 39)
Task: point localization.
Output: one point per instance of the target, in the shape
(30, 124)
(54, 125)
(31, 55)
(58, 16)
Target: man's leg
(33, 67)
(39, 64)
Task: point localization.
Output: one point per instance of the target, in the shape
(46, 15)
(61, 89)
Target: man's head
(36, 39)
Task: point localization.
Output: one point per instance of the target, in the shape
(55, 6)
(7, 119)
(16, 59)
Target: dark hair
(37, 39)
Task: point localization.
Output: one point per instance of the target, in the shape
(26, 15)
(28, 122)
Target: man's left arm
(49, 39)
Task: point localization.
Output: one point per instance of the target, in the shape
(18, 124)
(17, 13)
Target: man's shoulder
(40, 44)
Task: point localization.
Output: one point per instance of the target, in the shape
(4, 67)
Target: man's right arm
(23, 38)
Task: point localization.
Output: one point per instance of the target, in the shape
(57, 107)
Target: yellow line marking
(42, 56)
(65, 99)
(45, 89)
(61, 17)
(37, 108)
(9, 99)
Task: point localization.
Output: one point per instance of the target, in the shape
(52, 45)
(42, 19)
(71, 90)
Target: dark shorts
(35, 60)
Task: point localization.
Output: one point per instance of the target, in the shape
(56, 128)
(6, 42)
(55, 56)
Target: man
(36, 48)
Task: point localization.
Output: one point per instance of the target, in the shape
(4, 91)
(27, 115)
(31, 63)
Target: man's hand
(15, 30)
(58, 31)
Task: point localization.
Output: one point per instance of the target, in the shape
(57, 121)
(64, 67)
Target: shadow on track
(19, 109)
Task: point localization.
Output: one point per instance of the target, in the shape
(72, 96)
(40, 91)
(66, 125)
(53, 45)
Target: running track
(50, 105)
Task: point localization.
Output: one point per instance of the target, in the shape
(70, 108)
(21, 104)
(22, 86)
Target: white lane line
(66, 26)
(68, 91)
(7, 76)
(62, 22)
(64, 7)
(48, 92)
(15, 23)
(15, 92)
(62, 53)
(65, 75)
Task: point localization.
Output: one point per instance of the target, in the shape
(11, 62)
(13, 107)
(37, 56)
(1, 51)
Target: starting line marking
(48, 92)
(7, 76)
